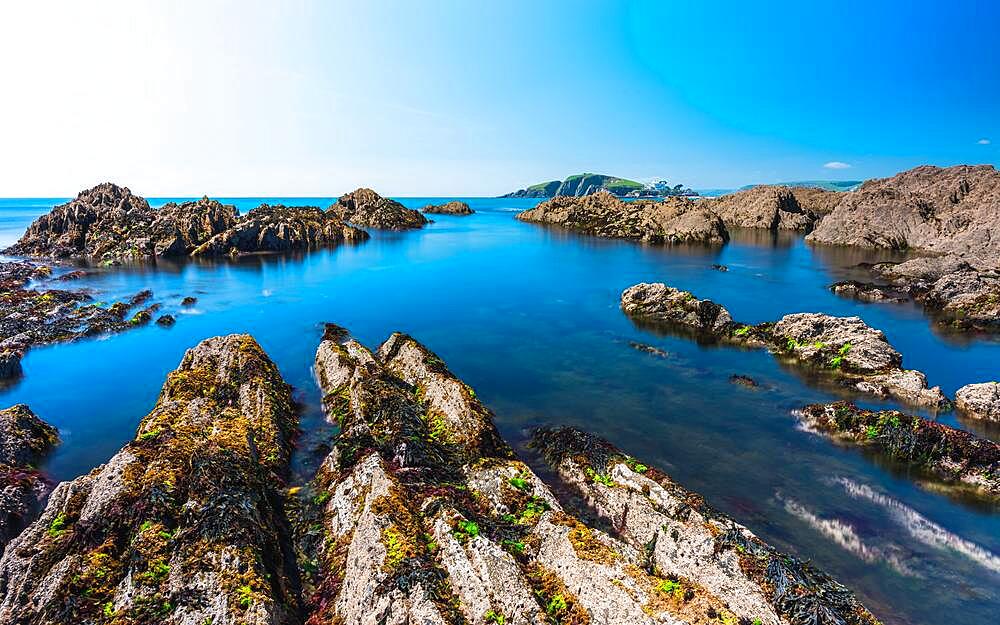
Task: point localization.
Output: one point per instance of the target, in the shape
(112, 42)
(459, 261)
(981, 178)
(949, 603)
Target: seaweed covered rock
(694, 548)
(454, 207)
(109, 223)
(979, 401)
(35, 316)
(185, 524)
(364, 207)
(774, 207)
(280, 228)
(940, 452)
(673, 220)
(844, 348)
(659, 303)
(24, 441)
(425, 515)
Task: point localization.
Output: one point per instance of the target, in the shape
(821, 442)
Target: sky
(462, 98)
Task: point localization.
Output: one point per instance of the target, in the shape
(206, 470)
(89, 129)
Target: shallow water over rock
(529, 317)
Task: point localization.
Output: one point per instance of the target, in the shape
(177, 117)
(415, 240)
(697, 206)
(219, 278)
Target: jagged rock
(979, 401)
(10, 364)
(673, 220)
(691, 544)
(774, 207)
(946, 454)
(280, 228)
(659, 303)
(185, 524)
(189, 301)
(943, 210)
(425, 515)
(165, 321)
(24, 441)
(108, 223)
(868, 292)
(449, 208)
(846, 348)
(364, 207)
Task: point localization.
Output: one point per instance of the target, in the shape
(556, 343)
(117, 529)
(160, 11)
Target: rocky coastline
(24, 441)
(843, 349)
(772, 207)
(364, 207)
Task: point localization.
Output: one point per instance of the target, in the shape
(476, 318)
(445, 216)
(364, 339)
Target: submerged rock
(845, 348)
(868, 292)
(166, 321)
(944, 453)
(24, 441)
(693, 547)
(364, 207)
(673, 220)
(979, 401)
(660, 303)
(189, 301)
(426, 515)
(449, 208)
(743, 380)
(774, 207)
(649, 349)
(185, 523)
(280, 228)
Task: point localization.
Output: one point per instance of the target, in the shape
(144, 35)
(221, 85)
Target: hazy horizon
(454, 99)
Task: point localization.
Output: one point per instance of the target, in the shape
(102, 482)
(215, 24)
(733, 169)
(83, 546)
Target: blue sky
(466, 98)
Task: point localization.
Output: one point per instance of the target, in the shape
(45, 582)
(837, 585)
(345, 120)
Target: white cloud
(983, 142)
(837, 165)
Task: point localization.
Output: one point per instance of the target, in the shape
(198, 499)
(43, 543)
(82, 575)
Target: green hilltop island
(585, 184)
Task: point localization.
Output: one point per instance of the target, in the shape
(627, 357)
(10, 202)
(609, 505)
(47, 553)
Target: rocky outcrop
(950, 210)
(979, 401)
(184, 524)
(109, 223)
(35, 316)
(774, 207)
(24, 441)
(869, 292)
(691, 545)
(845, 349)
(364, 207)
(423, 514)
(279, 228)
(674, 220)
(448, 208)
(585, 184)
(942, 453)
(659, 303)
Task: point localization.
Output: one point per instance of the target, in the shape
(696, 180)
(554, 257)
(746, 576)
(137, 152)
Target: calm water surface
(529, 317)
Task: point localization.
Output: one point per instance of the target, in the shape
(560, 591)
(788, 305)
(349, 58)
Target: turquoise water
(529, 317)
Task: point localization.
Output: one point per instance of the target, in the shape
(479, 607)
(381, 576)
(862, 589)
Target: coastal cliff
(586, 184)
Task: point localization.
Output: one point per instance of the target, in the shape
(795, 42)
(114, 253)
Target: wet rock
(950, 210)
(449, 208)
(868, 292)
(845, 348)
(673, 220)
(140, 298)
(657, 302)
(10, 364)
(774, 207)
(73, 275)
(946, 454)
(720, 267)
(649, 349)
(166, 321)
(109, 223)
(743, 380)
(691, 545)
(189, 301)
(426, 515)
(979, 401)
(24, 441)
(364, 207)
(185, 523)
(279, 228)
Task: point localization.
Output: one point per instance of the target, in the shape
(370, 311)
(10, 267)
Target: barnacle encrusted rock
(846, 348)
(185, 523)
(364, 207)
(942, 453)
(672, 220)
(24, 440)
(423, 514)
(689, 544)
